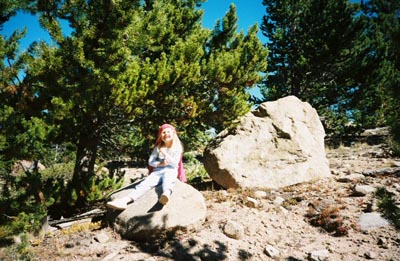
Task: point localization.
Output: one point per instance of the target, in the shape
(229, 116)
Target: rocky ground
(315, 221)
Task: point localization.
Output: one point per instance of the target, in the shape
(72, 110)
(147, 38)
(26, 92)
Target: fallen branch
(93, 213)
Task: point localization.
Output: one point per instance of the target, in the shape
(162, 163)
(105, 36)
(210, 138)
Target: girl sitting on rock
(165, 166)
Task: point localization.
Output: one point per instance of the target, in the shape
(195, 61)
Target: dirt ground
(285, 224)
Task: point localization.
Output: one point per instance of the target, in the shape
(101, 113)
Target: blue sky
(249, 12)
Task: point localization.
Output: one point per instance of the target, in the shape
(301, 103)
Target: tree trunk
(84, 168)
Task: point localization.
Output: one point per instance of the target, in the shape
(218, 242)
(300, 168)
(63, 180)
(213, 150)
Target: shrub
(101, 186)
(194, 168)
(329, 219)
(31, 195)
(388, 206)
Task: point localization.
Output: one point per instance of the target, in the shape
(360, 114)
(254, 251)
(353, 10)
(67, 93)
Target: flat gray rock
(372, 220)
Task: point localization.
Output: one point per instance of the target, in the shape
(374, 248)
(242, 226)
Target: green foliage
(311, 54)
(25, 199)
(340, 128)
(101, 186)
(383, 34)
(20, 251)
(395, 146)
(26, 221)
(387, 205)
(194, 168)
(344, 60)
(306, 52)
(54, 180)
(197, 172)
(28, 196)
(9, 8)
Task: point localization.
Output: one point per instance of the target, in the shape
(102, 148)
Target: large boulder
(146, 219)
(278, 145)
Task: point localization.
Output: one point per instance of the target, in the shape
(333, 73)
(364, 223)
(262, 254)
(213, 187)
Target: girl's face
(167, 136)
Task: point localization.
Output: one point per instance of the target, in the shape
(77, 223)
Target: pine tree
(380, 79)
(21, 133)
(310, 46)
(232, 61)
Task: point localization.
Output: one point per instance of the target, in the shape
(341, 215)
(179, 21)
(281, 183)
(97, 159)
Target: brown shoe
(164, 198)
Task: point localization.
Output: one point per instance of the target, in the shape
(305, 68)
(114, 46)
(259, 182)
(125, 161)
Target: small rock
(252, 203)
(362, 190)
(233, 230)
(110, 256)
(334, 172)
(350, 178)
(222, 195)
(372, 206)
(271, 251)
(278, 201)
(46, 228)
(382, 242)
(370, 255)
(347, 166)
(17, 240)
(348, 170)
(283, 210)
(260, 194)
(391, 162)
(69, 245)
(319, 255)
(85, 242)
(101, 238)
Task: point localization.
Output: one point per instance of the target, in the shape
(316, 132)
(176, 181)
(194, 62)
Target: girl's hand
(162, 163)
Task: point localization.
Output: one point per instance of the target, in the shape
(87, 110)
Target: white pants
(165, 176)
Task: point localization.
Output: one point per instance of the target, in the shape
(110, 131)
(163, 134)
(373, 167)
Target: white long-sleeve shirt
(172, 156)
